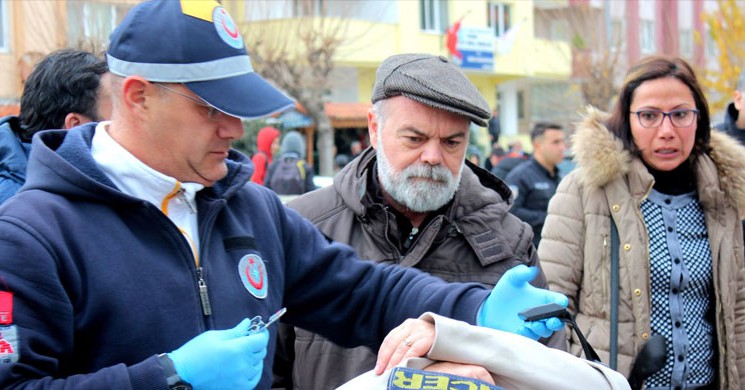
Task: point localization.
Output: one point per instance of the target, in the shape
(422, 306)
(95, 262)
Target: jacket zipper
(394, 248)
(209, 215)
(202, 289)
(203, 293)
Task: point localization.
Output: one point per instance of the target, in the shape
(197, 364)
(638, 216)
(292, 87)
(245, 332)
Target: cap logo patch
(226, 28)
(252, 271)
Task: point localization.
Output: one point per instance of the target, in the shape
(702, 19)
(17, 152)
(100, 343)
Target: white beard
(409, 189)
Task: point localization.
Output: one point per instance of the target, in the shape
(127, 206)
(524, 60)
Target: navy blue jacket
(13, 158)
(103, 282)
(729, 124)
(534, 186)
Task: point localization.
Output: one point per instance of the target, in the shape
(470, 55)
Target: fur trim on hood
(601, 158)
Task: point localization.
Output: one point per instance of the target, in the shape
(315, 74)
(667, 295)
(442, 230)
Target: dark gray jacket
(476, 239)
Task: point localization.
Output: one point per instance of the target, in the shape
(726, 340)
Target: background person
(190, 247)
(494, 128)
(411, 200)
(534, 181)
(497, 153)
(734, 123)
(63, 90)
(355, 148)
(290, 174)
(267, 145)
(675, 190)
(514, 157)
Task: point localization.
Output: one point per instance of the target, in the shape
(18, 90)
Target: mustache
(434, 172)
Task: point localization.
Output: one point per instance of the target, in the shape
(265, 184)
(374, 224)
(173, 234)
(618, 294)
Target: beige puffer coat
(575, 246)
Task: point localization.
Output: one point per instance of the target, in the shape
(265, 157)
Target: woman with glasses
(674, 191)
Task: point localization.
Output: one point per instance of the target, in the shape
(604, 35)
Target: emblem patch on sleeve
(8, 344)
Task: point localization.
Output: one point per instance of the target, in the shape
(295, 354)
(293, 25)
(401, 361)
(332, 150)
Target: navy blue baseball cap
(197, 43)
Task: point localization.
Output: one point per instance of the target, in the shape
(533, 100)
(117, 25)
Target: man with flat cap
(139, 256)
(411, 199)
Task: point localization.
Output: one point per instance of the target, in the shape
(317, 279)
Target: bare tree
(595, 55)
(595, 73)
(297, 54)
(594, 49)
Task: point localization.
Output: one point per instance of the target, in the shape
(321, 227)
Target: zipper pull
(185, 200)
(203, 295)
(410, 239)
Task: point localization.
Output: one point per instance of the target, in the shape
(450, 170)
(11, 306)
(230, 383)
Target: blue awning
(294, 119)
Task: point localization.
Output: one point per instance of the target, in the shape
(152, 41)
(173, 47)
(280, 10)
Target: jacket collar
(61, 162)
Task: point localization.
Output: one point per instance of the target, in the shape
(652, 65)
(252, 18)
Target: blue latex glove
(224, 359)
(513, 294)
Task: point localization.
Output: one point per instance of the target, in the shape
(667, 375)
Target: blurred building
(606, 36)
(493, 41)
(537, 60)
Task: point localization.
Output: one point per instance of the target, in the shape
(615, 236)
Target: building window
(434, 15)
(686, 43)
(520, 104)
(617, 35)
(309, 8)
(647, 36)
(4, 28)
(685, 29)
(499, 17)
(710, 45)
(559, 30)
(91, 22)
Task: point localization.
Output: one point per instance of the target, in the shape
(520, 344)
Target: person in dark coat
(64, 90)
(534, 181)
(412, 199)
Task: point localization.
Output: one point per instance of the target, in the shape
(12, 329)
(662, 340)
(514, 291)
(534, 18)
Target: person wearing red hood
(267, 142)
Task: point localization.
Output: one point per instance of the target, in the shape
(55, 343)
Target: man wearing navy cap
(138, 244)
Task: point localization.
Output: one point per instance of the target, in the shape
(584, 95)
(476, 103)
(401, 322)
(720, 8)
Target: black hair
(65, 81)
(540, 128)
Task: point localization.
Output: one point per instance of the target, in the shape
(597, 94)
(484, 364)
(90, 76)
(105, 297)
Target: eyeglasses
(213, 113)
(654, 118)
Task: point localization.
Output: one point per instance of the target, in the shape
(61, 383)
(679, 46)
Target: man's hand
(231, 359)
(464, 370)
(513, 294)
(413, 338)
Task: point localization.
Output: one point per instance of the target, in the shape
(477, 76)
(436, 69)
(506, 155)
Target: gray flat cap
(430, 80)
